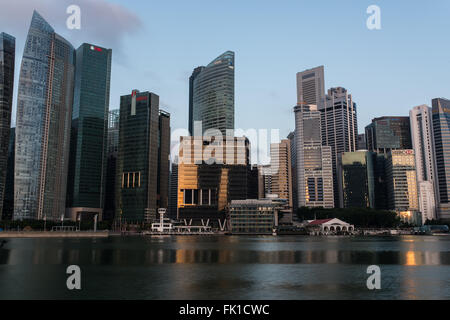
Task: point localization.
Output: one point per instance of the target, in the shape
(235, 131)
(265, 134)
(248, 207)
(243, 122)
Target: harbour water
(227, 267)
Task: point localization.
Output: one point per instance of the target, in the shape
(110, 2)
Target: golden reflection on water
(411, 258)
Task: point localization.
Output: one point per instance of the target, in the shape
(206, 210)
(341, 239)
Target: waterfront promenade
(53, 234)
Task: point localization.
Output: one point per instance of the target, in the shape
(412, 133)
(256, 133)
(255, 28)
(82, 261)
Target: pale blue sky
(156, 44)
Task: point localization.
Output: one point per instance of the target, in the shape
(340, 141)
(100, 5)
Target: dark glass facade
(388, 133)
(213, 94)
(44, 109)
(111, 165)
(357, 180)
(441, 128)
(87, 166)
(163, 159)
(195, 73)
(7, 59)
(139, 157)
(8, 200)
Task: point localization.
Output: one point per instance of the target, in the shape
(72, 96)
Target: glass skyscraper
(143, 158)
(87, 166)
(388, 133)
(213, 95)
(441, 131)
(7, 59)
(44, 110)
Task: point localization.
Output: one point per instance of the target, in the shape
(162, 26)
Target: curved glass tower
(213, 94)
(44, 110)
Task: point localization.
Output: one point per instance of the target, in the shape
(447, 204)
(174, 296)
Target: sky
(157, 44)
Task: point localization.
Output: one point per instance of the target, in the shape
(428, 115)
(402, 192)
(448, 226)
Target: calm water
(228, 267)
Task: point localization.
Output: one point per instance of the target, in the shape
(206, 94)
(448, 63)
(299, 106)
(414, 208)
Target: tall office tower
(7, 59)
(87, 162)
(280, 154)
(441, 132)
(291, 138)
(356, 179)
(212, 171)
(388, 133)
(311, 87)
(194, 75)
(44, 110)
(111, 164)
(264, 181)
(361, 143)
(173, 189)
(402, 181)
(422, 141)
(314, 161)
(163, 159)
(339, 128)
(213, 95)
(8, 199)
(137, 160)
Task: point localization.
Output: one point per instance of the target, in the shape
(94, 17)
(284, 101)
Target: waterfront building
(280, 163)
(7, 60)
(256, 216)
(8, 199)
(339, 128)
(329, 226)
(441, 138)
(138, 157)
(44, 110)
(88, 141)
(356, 179)
(422, 142)
(213, 171)
(313, 161)
(111, 165)
(173, 190)
(402, 182)
(211, 96)
(163, 159)
(388, 133)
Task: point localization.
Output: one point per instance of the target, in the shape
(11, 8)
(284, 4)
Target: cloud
(103, 23)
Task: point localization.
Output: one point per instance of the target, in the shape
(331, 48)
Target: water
(227, 267)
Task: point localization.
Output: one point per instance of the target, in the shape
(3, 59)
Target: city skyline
(362, 69)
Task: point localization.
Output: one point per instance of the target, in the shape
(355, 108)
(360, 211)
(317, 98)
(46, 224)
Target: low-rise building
(329, 227)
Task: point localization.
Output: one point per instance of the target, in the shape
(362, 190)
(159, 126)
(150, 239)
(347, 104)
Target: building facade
(280, 154)
(388, 133)
(7, 60)
(87, 164)
(212, 171)
(311, 87)
(422, 142)
(339, 128)
(313, 161)
(163, 159)
(109, 209)
(137, 160)
(44, 110)
(194, 75)
(402, 182)
(441, 134)
(213, 95)
(356, 177)
(8, 199)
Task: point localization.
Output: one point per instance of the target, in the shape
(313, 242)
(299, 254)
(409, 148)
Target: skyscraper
(402, 182)
(314, 161)
(356, 179)
(280, 154)
(441, 132)
(139, 157)
(87, 164)
(111, 164)
(291, 137)
(388, 133)
(44, 110)
(7, 60)
(311, 87)
(212, 97)
(194, 75)
(163, 159)
(422, 141)
(173, 189)
(339, 128)
(8, 199)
